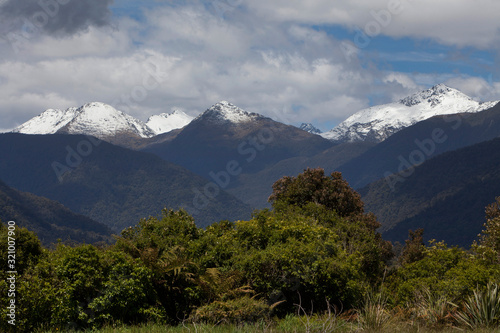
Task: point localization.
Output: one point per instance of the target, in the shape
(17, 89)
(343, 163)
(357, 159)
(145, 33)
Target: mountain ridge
(49, 219)
(102, 121)
(111, 184)
(445, 195)
(377, 123)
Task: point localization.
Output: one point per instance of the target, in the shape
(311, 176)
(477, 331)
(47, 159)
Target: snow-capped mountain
(97, 119)
(225, 112)
(167, 122)
(377, 123)
(308, 127)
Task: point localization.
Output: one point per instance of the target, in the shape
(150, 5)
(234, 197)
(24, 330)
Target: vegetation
(312, 263)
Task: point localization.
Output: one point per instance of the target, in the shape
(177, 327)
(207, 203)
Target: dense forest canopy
(316, 249)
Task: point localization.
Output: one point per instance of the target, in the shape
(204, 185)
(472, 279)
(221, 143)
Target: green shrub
(235, 311)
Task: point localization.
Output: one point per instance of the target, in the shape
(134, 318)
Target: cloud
(270, 57)
(476, 87)
(452, 22)
(56, 17)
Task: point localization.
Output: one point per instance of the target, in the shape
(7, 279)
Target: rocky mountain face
(308, 127)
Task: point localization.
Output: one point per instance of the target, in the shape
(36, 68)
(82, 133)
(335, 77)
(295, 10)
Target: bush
(235, 311)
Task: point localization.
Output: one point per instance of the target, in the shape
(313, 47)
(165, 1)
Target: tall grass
(434, 310)
(374, 315)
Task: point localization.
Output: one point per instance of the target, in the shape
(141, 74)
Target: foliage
(489, 240)
(414, 247)
(303, 254)
(450, 272)
(161, 247)
(234, 311)
(482, 309)
(27, 248)
(313, 186)
(434, 309)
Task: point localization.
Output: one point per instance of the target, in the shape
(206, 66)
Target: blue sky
(284, 58)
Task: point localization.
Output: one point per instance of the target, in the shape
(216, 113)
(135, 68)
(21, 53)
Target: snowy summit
(167, 122)
(377, 123)
(224, 112)
(97, 119)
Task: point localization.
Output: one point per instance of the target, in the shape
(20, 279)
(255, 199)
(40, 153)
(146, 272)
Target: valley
(227, 155)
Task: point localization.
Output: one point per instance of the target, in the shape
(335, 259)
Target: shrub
(235, 311)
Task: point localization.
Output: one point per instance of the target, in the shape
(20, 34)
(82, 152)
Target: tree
(161, 245)
(414, 248)
(317, 195)
(489, 239)
(313, 186)
(28, 248)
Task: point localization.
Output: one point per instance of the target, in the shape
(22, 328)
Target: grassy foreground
(292, 323)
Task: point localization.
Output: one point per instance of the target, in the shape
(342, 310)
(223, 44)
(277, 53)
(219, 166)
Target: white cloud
(295, 74)
(452, 22)
(264, 56)
(476, 87)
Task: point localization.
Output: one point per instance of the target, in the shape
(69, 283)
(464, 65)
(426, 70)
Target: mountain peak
(308, 127)
(225, 112)
(434, 96)
(377, 123)
(95, 118)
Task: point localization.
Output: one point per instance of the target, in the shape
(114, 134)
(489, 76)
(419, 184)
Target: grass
(289, 324)
(429, 313)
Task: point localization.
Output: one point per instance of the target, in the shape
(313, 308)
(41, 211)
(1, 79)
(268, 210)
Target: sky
(295, 61)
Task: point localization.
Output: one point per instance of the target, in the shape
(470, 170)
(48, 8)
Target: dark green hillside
(425, 140)
(113, 185)
(446, 195)
(256, 188)
(204, 146)
(49, 219)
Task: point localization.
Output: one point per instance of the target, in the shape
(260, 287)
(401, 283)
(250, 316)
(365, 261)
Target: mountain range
(414, 145)
(225, 161)
(104, 122)
(225, 133)
(110, 184)
(374, 124)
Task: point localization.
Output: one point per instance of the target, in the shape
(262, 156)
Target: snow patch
(167, 122)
